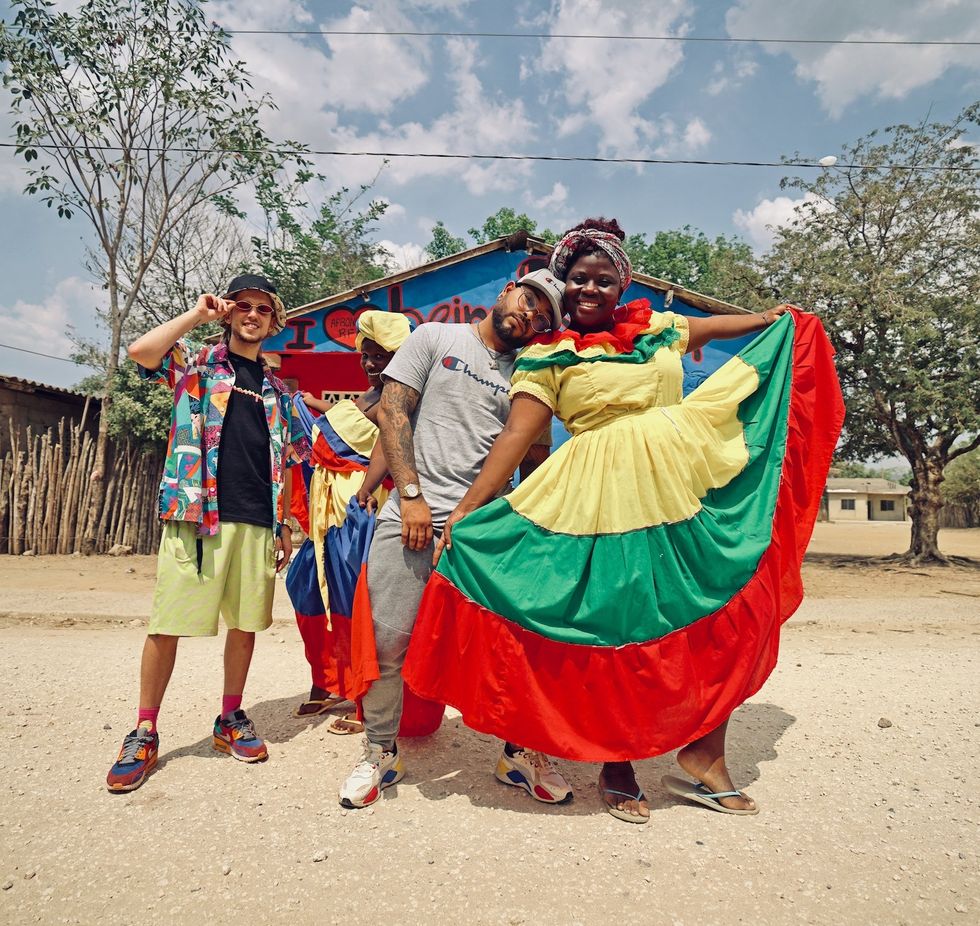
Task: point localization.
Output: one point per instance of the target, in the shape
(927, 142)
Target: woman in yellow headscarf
(322, 578)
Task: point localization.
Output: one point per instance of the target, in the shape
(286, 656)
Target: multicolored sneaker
(378, 770)
(236, 736)
(137, 759)
(536, 774)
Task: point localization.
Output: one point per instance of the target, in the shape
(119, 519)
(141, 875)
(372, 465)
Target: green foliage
(140, 410)
(135, 116)
(113, 77)
(845, 469)
(962, 483)
(503, 222)
(888, 258)
(443, 243)
(724, 268)
(310, 256)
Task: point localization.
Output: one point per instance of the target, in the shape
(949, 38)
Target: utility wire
(697, 162)
(617, 38)
(37, 353)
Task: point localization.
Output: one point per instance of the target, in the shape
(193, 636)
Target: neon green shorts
(237, 579)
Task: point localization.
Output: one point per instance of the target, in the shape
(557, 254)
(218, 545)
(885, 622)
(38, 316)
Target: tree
(506, 221)
(134, 116)
(962, 484)
(885, 249)
(724, 268)
(847, 469)
(198, 255)
(311, 253)
(140, 410)
(443, 243)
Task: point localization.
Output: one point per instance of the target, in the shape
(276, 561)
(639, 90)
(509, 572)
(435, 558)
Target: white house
(866, 500)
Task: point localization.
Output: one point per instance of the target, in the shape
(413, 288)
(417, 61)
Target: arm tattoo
(398, 401)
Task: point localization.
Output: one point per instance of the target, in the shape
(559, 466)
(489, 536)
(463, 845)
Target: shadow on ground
(274, 722)
(458, 761)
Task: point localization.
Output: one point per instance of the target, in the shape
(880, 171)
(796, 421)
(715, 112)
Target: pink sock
(148, 714)
(230, 704)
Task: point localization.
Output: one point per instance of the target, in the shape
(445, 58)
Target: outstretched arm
(150, 349)
(527, 418)
(703, 330)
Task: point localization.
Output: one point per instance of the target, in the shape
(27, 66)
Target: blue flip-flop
(697, 792)
(624, 814)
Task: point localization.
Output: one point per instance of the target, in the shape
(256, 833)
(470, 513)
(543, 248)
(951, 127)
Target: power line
(37, 353)
(697, 162)
(716, 39)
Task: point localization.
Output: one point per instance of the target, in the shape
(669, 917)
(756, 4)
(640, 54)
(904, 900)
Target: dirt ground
(860, 823)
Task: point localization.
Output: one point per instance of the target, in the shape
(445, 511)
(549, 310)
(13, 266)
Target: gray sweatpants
(396, 579)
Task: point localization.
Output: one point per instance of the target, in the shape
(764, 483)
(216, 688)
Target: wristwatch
(411, 490)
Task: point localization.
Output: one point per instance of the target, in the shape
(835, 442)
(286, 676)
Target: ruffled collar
(620, 338)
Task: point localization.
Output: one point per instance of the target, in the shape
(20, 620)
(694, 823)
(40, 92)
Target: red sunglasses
(247, 307)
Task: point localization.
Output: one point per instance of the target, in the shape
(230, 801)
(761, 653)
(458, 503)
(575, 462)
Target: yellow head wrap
(389, 329)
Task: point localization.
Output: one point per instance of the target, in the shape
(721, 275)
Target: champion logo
(461, 366)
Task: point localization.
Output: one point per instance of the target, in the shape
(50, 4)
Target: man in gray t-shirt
(462, 407)
(444, 402)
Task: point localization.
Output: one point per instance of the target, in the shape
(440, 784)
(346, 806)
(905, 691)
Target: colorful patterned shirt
(202, 381)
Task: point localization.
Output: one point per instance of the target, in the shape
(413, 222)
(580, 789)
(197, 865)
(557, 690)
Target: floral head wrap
(387, 329)
(572, 243)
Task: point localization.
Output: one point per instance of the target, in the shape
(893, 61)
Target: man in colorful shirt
(221, 501)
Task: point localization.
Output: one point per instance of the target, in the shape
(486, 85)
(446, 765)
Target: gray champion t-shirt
(463, 407)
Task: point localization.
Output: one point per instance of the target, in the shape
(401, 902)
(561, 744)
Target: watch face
(411, 490)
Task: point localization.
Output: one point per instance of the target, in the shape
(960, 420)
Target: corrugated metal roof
(29, 385)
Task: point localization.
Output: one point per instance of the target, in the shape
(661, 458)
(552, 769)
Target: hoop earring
(619, 313)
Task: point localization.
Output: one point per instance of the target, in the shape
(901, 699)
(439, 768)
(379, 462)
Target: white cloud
(679, 143)
(606, 82)
(479, 122)
(556, 198)
(404, 256)
(43, 326)
(845, 73)
(731, 75)
(393, 211)
(312, 84)
(760, 224)
(373, 73)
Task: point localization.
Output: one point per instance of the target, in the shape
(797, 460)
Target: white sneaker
(536, 774)
(375, 772)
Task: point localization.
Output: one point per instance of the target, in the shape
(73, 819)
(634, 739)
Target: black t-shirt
(244, 464)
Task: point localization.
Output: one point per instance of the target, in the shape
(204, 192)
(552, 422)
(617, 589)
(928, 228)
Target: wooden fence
(46, 488)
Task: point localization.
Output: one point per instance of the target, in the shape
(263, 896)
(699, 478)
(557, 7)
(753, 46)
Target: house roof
(28, 385)
(519, 241)
(868, 486)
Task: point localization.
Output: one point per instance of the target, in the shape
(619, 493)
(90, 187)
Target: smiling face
(251, 327)
(374, 359)
(592, 291)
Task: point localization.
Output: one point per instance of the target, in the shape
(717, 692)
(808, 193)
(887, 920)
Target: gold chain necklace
(493, 358)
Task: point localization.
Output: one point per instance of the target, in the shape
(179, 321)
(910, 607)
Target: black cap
(250, 281)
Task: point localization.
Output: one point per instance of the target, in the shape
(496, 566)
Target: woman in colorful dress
(627, 597)
(322, 580)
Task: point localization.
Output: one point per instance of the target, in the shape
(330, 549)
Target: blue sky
(747, 101)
